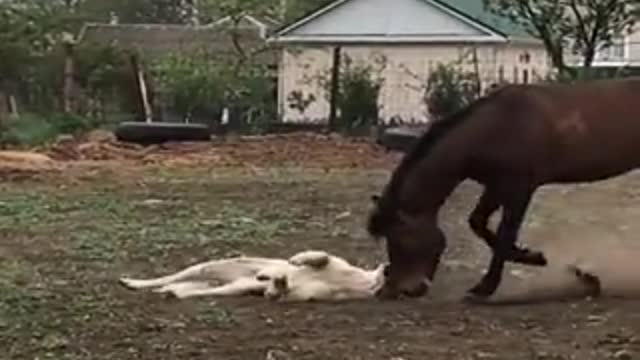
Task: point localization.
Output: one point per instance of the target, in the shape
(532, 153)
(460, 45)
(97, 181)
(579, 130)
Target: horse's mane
(421, 149)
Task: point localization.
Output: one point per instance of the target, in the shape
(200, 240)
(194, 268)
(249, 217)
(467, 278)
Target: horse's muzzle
(390, 292)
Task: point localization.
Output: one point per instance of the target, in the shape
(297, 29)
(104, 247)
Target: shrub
(29, 130)
(188, 82)
(196, 85)
(449, 89)
(26, 130)
(358, 93)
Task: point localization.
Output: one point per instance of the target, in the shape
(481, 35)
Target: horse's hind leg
(479, 222)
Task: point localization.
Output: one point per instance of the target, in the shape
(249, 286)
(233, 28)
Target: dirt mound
(20, 164)
(96, 145)
(297, 149)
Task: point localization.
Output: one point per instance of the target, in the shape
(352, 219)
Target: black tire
(160, 132)
(399, 138)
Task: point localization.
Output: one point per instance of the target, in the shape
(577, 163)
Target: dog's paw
(311, 258)
(175, 291)
(131, 284)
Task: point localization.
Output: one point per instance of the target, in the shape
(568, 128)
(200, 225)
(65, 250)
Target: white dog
(306, 276)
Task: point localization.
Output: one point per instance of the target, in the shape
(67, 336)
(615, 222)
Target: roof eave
(296, 24)
(333, 39)
(525, 40)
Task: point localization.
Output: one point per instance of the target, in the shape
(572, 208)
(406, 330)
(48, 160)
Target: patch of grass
(212, 314)
(58, 294)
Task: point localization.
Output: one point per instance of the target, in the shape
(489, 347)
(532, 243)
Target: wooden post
(142, 87)
(335, 89)
(12, 105)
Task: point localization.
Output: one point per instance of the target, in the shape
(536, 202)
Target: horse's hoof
(482, 290)
(529, 257)
(537, 258)
(471, 298)
(387, 294)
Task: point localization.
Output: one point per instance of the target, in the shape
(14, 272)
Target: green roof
(475, 9)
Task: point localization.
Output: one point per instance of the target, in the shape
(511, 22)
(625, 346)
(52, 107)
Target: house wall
(633, 47)
(407, 68)
(630, 56)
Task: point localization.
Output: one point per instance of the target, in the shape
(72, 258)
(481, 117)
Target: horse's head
(414, 248)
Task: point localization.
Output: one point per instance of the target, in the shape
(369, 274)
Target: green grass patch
(62, 250)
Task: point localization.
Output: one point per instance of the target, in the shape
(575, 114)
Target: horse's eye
(263, 278)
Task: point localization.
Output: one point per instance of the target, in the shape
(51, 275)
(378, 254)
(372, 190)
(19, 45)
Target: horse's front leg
(515, 204)
(487, 205)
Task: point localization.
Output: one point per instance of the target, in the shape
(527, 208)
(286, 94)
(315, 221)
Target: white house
(413, 36)
(624, 51)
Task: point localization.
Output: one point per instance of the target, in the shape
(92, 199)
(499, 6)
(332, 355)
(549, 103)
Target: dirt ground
(71, 226)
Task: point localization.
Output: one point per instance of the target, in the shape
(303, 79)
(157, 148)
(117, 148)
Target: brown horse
(512, 142)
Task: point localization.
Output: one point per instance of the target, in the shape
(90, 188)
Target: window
(612, 53)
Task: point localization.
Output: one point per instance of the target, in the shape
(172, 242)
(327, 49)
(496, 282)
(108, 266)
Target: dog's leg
(225, 270)
(314, 259)
(240, 287)
(193, 272)
(183, 286)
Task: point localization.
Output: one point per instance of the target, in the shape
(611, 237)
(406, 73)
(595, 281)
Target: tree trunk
(588, 55)
(67, 92)
(335, 89)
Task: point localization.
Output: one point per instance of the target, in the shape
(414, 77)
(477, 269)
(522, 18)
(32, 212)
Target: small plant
(358, 93)
(298, 101)
(34, 129)
(449, 89)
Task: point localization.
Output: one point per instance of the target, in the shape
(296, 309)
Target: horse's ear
(375, 199)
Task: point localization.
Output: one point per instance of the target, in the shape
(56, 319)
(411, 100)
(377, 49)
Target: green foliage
(189, 82)
(195, 84)
(358, 92)
(33, 129)
(26, 130)
(33, 32)
(100, 68)
(137, 11)
(449, 89)
(252, 94)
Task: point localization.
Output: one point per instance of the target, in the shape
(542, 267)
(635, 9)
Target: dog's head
(276, 282)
